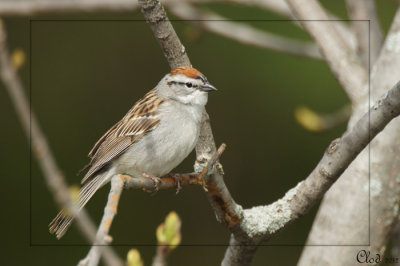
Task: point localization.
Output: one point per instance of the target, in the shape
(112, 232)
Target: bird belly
(161, 150)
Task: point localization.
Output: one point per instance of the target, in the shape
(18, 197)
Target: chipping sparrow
(156, 134)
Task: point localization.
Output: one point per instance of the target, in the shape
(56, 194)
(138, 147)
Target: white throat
(196, 98)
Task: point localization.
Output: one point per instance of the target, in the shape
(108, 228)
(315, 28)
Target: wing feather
(141, 119)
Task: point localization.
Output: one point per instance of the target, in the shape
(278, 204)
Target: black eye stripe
(183, 83)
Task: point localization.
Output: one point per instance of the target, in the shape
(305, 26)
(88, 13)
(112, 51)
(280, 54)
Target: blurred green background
(89, 69)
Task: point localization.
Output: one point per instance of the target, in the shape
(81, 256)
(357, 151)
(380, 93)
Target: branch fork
(120, 182)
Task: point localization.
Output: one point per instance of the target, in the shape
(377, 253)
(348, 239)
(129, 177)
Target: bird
(154, 137)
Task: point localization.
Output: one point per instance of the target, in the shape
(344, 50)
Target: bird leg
(177, 178)
(200, 178)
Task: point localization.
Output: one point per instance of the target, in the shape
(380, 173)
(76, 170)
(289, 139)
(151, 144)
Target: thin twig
(339, 56)
(40, 147)
(102, 237)
(243, 33)
(160, 259)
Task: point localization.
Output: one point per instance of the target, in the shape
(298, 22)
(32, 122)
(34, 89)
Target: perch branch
(119, 182)
(40, 147)
(339, 56)
(243, 33)
(169, 181)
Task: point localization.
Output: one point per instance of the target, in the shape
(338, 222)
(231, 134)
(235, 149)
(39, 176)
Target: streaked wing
(139, 121)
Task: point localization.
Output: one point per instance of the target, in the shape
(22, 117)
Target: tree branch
(282, 8)
(170, 181)
(261, 222)
(102, 237)
(119, 182)
(40, 147)
(339, 56)
(39, 7)
(244, 34)
(225, 207)
(250, 227)
(173, 49)
(30, 8)
(365, 10)
(371, 181)
(254, 225)
(279, 7)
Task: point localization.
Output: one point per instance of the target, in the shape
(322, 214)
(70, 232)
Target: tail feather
(64, 218)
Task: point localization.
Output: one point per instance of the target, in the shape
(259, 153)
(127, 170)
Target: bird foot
(177, 178)
(155, 180)
(201, 181)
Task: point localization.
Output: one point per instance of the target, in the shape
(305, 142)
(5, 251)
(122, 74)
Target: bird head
(186, 85)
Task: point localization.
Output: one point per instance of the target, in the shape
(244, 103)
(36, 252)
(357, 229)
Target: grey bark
(343, 217)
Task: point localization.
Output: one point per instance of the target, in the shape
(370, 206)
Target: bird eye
(189, 85)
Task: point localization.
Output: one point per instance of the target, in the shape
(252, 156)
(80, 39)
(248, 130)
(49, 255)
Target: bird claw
(201, 181)
(155, 180)
(177, 179)
(177, 183)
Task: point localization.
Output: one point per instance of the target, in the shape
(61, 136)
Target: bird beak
(208, 87)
